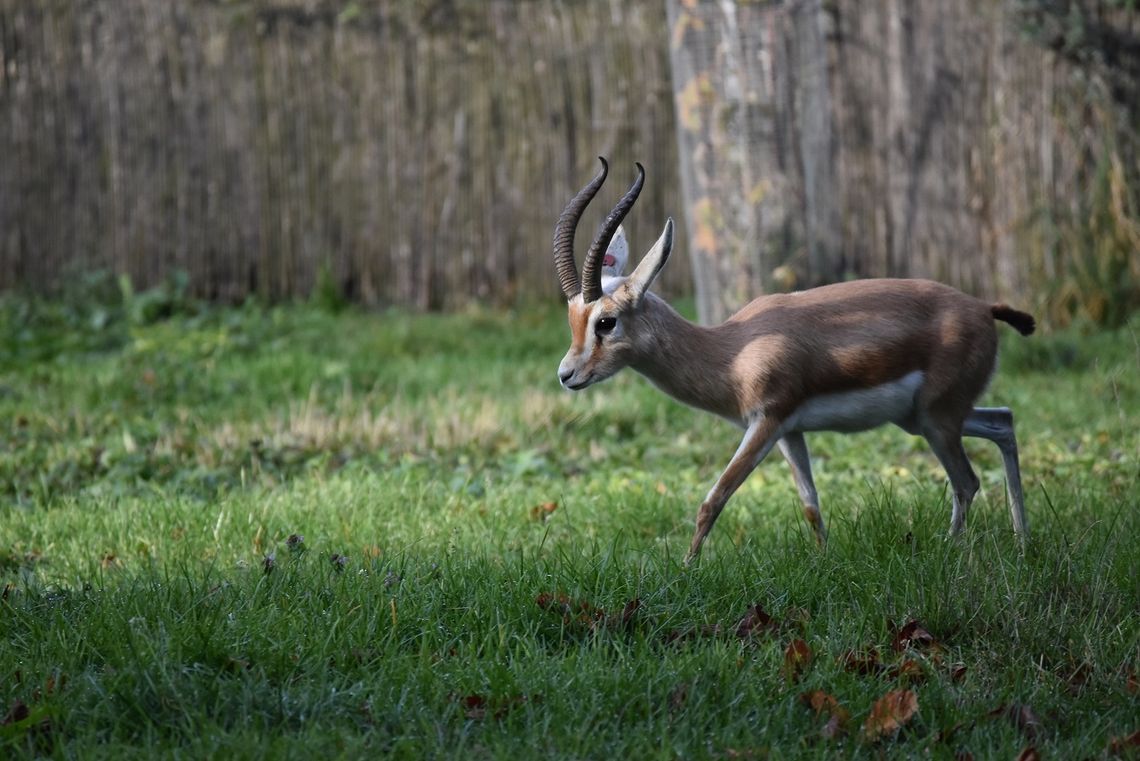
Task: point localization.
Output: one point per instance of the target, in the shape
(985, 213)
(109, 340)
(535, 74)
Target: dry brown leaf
(797, 617)
(676, 636)
(474, 706)
(821, 702)
(913, 635)
(756, 621)
(1078, 675)
(678, 697)
(797, 658)
(944, 735)
(1025, 720)
(834, 728)
(1022, 717)
(17, 712)
(543, 511)
(745, 754)
(865, 663)
(908, 670)
(957, 672)
(890, 713)
(1119, 746)
(478, 707)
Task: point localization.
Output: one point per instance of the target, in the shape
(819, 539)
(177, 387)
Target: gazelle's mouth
(582, 385)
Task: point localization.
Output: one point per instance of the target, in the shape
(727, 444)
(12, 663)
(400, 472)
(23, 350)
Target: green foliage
(280, 532)
(1098, 247)
(95, 312)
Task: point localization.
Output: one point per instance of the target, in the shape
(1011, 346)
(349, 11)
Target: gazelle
(845, 357)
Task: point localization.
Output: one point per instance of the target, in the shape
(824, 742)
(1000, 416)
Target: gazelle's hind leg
(996, 424)
(795, 451)
(947, 446)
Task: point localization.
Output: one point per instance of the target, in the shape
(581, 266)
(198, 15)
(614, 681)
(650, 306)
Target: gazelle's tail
(1022, 321)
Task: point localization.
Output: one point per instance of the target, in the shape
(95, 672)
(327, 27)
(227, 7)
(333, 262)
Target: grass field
(490, 566)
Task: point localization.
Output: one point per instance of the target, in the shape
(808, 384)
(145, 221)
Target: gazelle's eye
(605, 325)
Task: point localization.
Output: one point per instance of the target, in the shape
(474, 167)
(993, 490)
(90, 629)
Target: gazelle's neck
(690, 363)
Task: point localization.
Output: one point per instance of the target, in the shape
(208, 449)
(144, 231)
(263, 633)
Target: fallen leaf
(824, 703)
(756, 621)
(629, 611)
(864, 663)
(944, 735)
(678, 697)
(834, 728)
(913, 635)
(908, 670)
(797, 657)
(1028, 753)
(474, 706)
(580, 612)
(17, 712)
(1118, 746)
(478, 707)
(676, 636)
(1078, 674)
(957, 672)
(797, 617)
(543, 511)
(745, 754)
(1022, 717)
(889, 713)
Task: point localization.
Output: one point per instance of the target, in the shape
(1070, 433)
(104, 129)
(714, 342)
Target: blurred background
(415, 153)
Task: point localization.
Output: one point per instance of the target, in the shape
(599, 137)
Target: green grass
(148, 468)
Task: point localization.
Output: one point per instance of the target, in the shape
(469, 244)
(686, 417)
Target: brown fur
(781, 350)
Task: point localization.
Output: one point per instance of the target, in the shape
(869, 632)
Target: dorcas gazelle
(845, 357)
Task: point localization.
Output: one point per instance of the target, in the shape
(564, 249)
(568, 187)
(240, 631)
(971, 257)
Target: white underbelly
(859, 410)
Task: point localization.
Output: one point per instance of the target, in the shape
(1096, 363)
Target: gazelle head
(607, 326)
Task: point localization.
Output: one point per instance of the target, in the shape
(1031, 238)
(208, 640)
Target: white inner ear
(619, 250)
(651, 264)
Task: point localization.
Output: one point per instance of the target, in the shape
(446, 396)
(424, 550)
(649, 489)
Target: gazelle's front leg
(759, 438)
(795, 451)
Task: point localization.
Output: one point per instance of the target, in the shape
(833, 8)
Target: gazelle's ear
(617, 254)
(650, 265)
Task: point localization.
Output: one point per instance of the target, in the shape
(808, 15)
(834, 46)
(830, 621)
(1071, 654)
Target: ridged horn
(592, 267)
(564, 233)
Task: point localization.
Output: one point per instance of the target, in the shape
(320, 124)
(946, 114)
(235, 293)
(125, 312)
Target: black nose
(565, 376)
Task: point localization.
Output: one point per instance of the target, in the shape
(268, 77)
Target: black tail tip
(1021, 321)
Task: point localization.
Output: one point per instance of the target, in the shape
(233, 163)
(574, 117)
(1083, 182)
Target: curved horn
(592, 267)
(564, 233)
